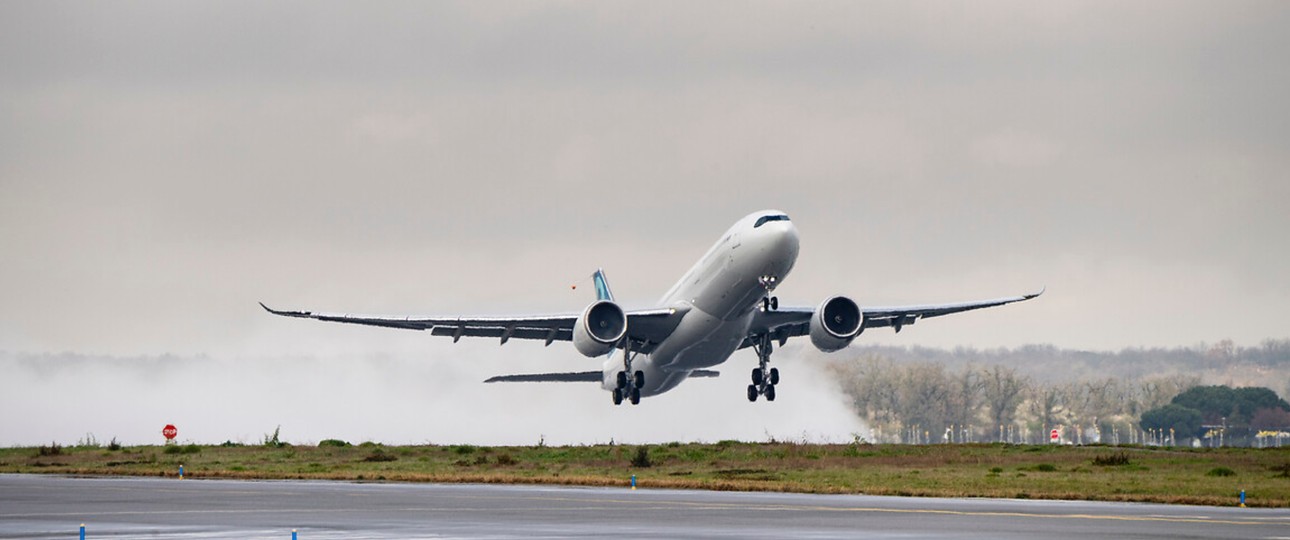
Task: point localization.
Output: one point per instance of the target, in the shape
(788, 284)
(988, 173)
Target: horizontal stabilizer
(578, 376)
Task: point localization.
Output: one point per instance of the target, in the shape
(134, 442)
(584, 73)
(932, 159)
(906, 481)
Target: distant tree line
(1234, 415)
(1020, 395)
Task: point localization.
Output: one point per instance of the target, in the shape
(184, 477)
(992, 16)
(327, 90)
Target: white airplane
(723, 304)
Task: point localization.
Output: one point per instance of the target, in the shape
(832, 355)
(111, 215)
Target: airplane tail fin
(602, 286)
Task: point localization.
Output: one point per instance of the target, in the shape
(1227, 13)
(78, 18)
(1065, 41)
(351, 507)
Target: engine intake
(600, 327)
(837, 321)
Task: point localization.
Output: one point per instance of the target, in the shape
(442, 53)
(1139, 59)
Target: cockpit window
(762, 220)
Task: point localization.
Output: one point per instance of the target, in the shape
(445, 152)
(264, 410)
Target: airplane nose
(781, 238)
(784, 236)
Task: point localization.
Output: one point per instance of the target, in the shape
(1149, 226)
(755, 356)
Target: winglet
(1035, 294)
(305, 314)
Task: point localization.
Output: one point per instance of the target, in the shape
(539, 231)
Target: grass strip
(1121, 473)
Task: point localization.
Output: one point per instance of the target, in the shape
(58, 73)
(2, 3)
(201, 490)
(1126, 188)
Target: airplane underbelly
(699, 341)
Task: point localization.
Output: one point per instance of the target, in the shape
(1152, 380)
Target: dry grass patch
(973, 470)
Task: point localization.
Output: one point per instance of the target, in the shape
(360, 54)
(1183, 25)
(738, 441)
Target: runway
(40, 506)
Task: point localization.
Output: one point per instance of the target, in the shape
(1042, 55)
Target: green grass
(1182, 476)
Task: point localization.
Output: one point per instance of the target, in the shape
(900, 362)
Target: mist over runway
(435, 396)
(127, 508)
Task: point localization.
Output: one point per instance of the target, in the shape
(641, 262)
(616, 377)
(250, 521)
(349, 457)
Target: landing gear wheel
(765, 304)
(764, 377)
(618, 396)
(640, 379)
(622, 379)
(774, 303)
(636, 396)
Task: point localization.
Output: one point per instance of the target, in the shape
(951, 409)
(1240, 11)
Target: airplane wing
(784, 323)
(646, 328)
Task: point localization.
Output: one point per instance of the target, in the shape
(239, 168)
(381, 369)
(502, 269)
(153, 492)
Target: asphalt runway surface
(44, 506)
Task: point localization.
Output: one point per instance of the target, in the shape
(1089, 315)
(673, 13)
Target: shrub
(1221, 471)
(641, 459)
(464, 449)
(336, 443)
(88, 442)
(191, 449)
(114, 445)
(506, 460)
(1045, 467)
(1283, 470)
(173, 449)
(272, 441)
(53, 449)
(1112, 460)
(996, 470)
(379, 455)
(230, 444)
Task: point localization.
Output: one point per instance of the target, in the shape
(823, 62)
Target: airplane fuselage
(718, 298)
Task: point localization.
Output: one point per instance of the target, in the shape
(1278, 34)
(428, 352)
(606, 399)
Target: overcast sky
(165, 165)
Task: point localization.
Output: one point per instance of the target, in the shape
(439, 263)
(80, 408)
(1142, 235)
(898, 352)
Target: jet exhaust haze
(435, 397)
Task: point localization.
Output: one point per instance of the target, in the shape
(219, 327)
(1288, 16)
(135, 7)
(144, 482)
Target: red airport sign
(169, 431)
(1053, 435)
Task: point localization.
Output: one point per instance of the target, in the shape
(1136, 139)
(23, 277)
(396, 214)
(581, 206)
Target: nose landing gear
(768, 302)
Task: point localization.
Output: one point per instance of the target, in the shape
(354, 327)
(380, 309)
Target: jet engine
(836, 322)
(600, 327)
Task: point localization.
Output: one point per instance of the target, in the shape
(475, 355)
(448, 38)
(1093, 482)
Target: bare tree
(965, 398)
(924, 396)
(1002, 389)
(1046, 404)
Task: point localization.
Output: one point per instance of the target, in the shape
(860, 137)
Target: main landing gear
(763, 379)
(629, 382)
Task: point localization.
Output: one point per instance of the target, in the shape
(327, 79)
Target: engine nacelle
(836, 322)
(600, 327)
